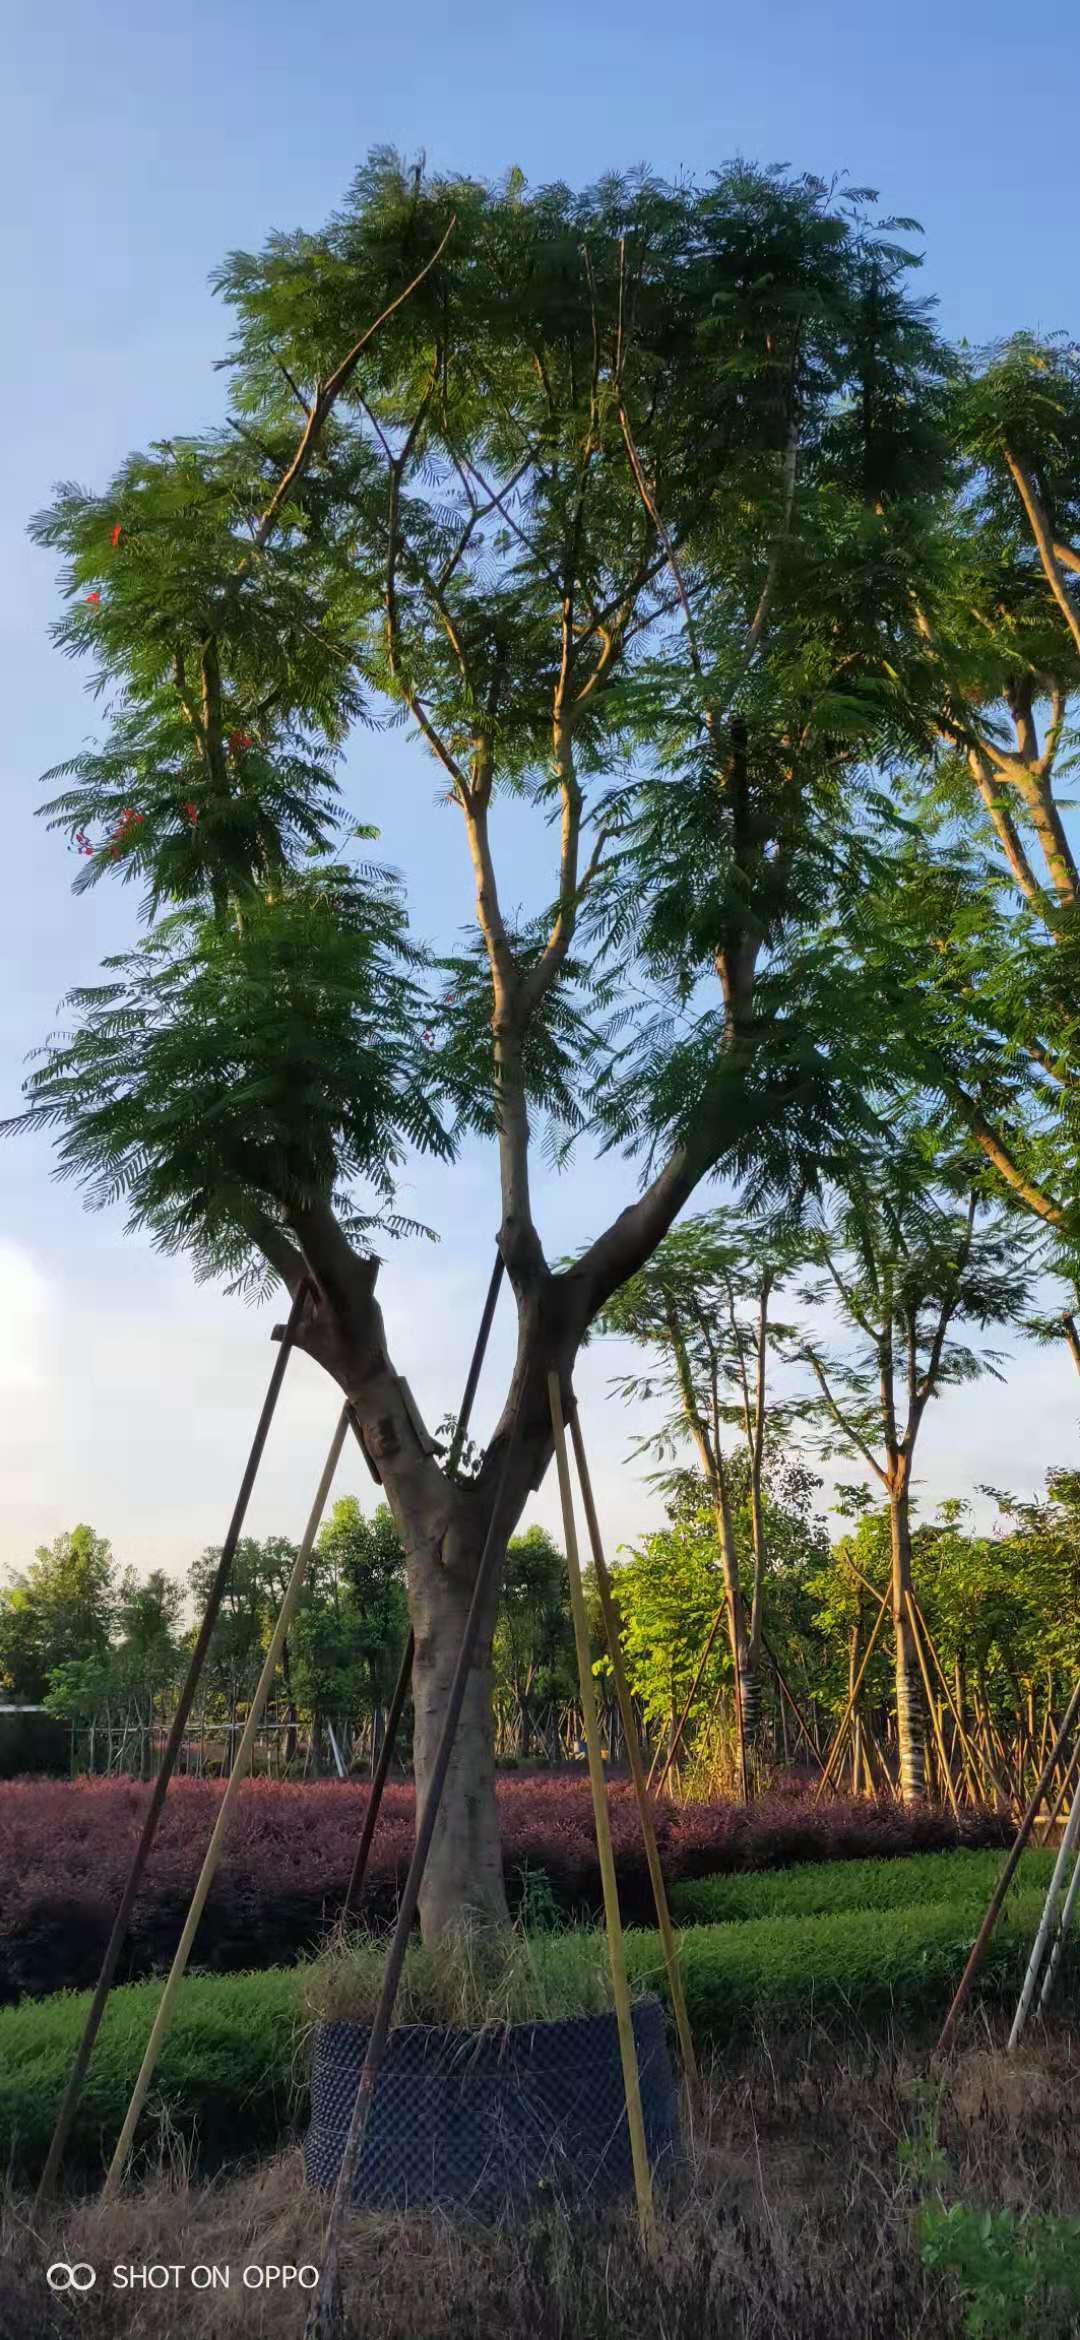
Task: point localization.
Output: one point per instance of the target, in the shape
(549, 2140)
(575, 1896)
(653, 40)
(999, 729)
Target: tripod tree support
(170, 1752)
(287, 1611)
(401, 1687)
(325, 2318)
(834, 1752)
(982, 1938)
(612, 1919)
(637, 1768)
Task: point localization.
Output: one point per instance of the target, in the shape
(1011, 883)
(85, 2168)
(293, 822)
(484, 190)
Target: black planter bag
(492, 2121)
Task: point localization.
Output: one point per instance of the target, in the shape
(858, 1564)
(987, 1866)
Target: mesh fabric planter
(492, 2121)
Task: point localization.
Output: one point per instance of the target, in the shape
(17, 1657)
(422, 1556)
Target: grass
(820, 2166)
(478, 1980)
(821, 1889)
(229, 2069)
(233, 2063)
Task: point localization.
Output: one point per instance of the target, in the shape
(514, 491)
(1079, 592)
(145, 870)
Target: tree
(906, 1261)
(146, 1621)
(619, 499)
(533, 1650)
(989, 964)
(352, 1622)
(669, 1586)
(703, 1304)
(60, 1609)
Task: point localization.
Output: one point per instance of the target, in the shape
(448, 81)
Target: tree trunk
(742, 1652)
(910, 1722)
(463, 1881)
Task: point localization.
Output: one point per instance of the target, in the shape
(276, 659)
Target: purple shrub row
(65, 1847)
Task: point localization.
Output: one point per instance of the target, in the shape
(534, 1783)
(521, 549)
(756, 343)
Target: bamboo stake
(978, 1948)
(793, 1703)
(838, 1740)
(637, 1768)
(290, 1599)
(169, 1755)
(612, 1920)
(966, 1746)
(1068, 1781)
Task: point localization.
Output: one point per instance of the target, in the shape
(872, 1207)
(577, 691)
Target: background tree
(620, 500)
(905, 1262)
(352, 1622)
(533, 1653)
(670, 1586)
(61, 1608)
(703, 1305)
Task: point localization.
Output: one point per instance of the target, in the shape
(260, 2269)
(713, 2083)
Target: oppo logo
(62, 2277)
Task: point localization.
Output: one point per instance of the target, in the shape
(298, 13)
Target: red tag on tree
(116, 535)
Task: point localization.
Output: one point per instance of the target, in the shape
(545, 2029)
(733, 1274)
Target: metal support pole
(290, 1600)
(171, 1750)
(1049, 1912)
(1058, 1944)
(982, 1938)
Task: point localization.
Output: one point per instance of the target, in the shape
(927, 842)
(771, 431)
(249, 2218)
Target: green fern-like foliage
(229, 1074)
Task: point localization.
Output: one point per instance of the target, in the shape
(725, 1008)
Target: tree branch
(1040, 529)
(840, 1418)
(994, 1147)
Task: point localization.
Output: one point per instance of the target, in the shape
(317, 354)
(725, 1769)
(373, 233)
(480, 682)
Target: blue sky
(140, 144)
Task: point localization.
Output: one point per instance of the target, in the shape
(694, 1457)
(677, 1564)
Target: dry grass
(477, 1978)
(795, 2219)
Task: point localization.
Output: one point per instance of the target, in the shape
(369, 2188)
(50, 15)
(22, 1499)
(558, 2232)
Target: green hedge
(820, 1889)
(232, 2069)
(229, 2070)
(783, 1970)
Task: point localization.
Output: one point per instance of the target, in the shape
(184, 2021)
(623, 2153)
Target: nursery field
(854, 1945)
(65, 1848)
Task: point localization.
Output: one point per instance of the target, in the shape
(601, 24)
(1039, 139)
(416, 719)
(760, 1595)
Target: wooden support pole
(982, 1938)
(848, 1710)
(793, 1703)
(613, 1922)
(637, 1768)
(169, 1755)
(684, 1717)
(289, 1603)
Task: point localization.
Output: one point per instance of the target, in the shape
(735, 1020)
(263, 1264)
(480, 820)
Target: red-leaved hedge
(65, 1847)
